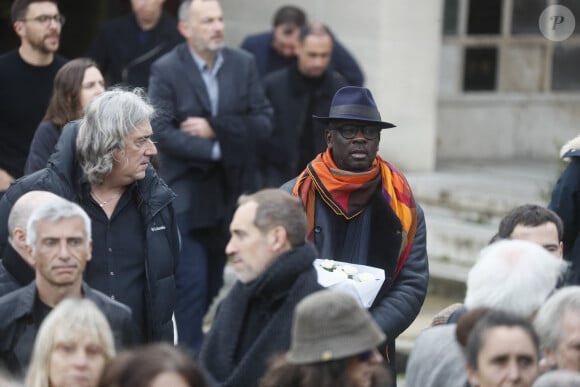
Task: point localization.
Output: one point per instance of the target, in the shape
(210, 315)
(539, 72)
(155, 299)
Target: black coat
(400, 299)
(565, 202)
(63, 177)
(18, 330)
(296, 138)
(254, 321)
(178, 91)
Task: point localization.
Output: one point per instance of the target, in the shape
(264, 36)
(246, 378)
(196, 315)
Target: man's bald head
(24, 206)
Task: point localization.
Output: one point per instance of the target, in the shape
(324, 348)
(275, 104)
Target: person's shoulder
(173, 56)
(338, 80)
(289, 185)
(436, 334)
(9, 57)
(108, 306)
(34, 181)
(47, 126)
(12, 302)
(7, 281)
(253, 40)
(155, 190)
(167, 20)
(166, 31)
(117, 23)
(59, 60)
(233, 53)
(274, 77)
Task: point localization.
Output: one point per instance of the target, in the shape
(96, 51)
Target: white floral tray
(361, 281)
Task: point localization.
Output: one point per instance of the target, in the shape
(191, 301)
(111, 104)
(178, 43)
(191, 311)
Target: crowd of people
(120, 206)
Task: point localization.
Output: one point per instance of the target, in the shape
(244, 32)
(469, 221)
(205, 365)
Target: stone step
(453, 239)
(489, 189)
(464, 203)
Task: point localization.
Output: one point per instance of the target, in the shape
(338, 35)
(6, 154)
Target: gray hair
(71, 316)
(108, 120)
(558, 378)
(183, 13)
(513, 275)
(548, 321)
(279, 208)
(55, 211)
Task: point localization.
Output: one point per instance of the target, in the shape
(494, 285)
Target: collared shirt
(210, 79)
(117, 267)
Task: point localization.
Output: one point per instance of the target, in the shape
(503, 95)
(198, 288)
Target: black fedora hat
(354, 103)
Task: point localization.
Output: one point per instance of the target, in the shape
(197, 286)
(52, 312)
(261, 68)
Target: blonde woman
(72, 346)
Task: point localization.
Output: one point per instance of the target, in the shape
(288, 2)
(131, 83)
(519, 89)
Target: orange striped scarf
(348, 193)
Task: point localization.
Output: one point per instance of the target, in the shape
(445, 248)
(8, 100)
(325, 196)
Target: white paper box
(364, 284)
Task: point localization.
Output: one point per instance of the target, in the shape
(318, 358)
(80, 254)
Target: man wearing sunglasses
(361, 210)
(26, 81)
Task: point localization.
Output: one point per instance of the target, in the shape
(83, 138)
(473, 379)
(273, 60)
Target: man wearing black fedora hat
(360, 209)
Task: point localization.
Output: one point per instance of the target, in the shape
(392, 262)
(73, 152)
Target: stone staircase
(464, 202)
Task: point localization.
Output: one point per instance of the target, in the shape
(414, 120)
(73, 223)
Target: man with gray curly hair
(103, 163)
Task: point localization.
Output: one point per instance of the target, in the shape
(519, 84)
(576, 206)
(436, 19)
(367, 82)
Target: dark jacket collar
(27, 295)
(25, 300)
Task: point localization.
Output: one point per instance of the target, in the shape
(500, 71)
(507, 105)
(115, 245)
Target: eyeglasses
(350, 131)
(45, 19)
(365, 356)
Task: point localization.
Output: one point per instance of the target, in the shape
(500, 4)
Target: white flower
(349, 270)
(341, 274)
(364, 277)
(328, 264)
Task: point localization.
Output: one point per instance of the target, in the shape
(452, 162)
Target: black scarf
(237, 348)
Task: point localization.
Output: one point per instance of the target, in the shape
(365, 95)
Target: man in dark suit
(213, 116)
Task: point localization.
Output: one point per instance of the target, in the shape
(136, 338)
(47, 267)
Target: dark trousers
(199, 278)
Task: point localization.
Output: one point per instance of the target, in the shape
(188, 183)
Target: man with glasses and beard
(361, 210)
(26, 81)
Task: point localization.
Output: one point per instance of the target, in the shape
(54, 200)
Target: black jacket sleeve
(401, 305)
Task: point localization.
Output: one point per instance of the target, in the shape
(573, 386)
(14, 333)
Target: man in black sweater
(26, 80)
